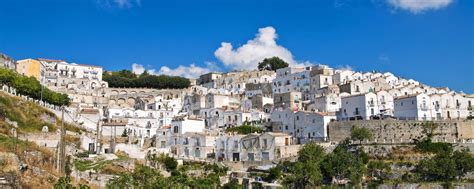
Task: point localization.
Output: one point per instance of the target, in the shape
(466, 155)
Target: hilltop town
(247, 123)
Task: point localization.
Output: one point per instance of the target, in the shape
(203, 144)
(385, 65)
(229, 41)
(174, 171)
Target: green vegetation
(360, 134)
(29, 116)
(272, 64)
(244, 129)
(379, 169)
(344, 163)
(306, 172)
(31, 87)
(427, 146)
(8, 144)
(233, 184)
(181, 177)
(65, 183)
(446, 166)
(128, 79)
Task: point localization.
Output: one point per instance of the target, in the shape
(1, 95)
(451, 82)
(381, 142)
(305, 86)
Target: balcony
(371, 104)
(469, 108)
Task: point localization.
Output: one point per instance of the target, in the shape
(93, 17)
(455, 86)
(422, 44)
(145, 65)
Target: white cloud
(247, 56)
(191, 71)
(419, 6)
(138, 68)
(344, 67)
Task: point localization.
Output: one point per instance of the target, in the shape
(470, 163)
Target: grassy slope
(30, 118)
(28, 115)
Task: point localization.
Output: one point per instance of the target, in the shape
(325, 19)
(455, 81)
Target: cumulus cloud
(138, 68)
(419, 6)
(247, 56)
(191, 71)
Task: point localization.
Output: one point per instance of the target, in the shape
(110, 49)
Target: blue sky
(429, 41)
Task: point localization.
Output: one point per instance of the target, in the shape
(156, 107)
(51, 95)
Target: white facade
(361, 106)
(413, 107)
(302, 125)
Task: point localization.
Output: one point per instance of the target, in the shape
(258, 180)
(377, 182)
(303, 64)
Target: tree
(31, 87)
(272, 64)
(126, 78)
(379, 169)
(306, 172)
(274, 173)
(244, 129)
(360, 134)
(446, 166)
(233, 184)
(464, 161)
(345, 163)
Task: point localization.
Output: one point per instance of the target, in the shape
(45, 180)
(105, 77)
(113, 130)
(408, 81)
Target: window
(175, 129)
(236, 144)
(297, 117)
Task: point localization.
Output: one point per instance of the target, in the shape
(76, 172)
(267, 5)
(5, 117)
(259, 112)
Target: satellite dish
(45, 129)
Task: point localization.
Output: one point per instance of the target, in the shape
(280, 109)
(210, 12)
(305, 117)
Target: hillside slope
(29, 119)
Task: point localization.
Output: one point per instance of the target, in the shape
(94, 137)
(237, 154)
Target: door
(251, 156)
(91, 147)
(265, 156)
(235, 157)
(197, 153)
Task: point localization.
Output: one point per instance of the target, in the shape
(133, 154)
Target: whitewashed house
(326, 103)
(342, 76)
(385, 103)
(361, 106)
(302, 125)
(197, 145)
(413, 107)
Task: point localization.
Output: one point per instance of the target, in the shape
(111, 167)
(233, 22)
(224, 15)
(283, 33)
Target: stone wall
(403, 131)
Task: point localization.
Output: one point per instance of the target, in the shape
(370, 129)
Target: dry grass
(30, 116)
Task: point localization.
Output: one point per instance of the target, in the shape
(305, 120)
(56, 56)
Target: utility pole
(98, 131)
(62, 146)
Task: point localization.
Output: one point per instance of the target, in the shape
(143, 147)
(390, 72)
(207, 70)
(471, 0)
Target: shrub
(31, 87)
(244, 129)
(128, 79)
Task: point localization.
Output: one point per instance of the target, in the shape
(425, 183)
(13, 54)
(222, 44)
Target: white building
(413, 107)
(361, 106)
(302, 125)
(385, 103)
(255, 147)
